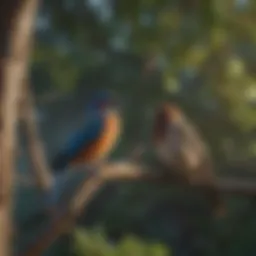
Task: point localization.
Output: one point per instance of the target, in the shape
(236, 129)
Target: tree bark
(16, 25)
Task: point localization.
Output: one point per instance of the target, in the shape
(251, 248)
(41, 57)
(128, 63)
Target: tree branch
(64, 217)
(133, 171)
(41, 170)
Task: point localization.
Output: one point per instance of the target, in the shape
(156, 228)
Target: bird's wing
(193, 147)
(80, 140)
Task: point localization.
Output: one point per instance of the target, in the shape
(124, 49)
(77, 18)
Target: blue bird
(96, 138)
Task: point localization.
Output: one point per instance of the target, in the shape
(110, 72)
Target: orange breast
(103, 145)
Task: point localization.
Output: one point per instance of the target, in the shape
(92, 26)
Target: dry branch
(134, 171)
(13, 70)
(64, 218)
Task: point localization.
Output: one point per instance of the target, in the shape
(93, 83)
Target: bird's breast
(103, 145)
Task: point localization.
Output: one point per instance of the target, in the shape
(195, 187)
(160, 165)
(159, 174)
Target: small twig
(40, 168)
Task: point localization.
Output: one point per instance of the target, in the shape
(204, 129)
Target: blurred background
(200, 54)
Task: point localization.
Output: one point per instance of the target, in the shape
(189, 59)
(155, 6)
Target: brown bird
(180, 148)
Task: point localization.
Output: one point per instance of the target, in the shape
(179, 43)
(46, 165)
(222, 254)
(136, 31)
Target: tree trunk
(16, 26)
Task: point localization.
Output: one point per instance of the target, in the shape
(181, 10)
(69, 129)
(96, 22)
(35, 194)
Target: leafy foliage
(94, 243)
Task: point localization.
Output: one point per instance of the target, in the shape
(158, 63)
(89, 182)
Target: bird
(181, 149)
(94, 141)
(90, 145)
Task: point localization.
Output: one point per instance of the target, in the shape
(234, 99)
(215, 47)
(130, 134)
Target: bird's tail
(60, 162)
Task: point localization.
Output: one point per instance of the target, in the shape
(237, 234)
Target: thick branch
(132, 171)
